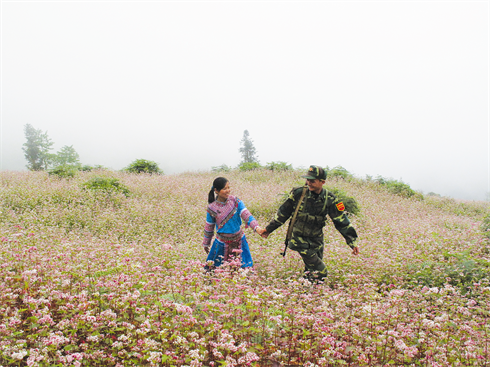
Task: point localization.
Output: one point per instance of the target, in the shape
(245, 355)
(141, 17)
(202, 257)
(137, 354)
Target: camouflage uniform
(307, 236)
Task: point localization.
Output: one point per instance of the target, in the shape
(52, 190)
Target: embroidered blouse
(227, 218)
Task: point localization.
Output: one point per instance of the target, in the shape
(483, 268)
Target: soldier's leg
(314, 266)
(320, 251)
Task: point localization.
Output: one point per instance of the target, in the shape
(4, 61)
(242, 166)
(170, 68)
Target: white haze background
(392, 88)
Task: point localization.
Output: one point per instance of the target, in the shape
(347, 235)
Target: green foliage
(485, 226)
(351, 205)
(278, 166)
(63, 171)
(476, 209)
(459, 270)
(247, 150)
(36, 149)
(249, 166)
(144, 166)
(106, 185)
(67, 156)
(338, 171)
(88, 168)
(222, 168)
(398, 188)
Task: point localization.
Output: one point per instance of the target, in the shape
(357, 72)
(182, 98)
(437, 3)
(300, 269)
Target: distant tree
(106, 185)
(249, 166)
(36, 149)
(64, 171)
(67, 156)
(222, 168)
(278, 166)
(143, 166)
(88, 168)
(338, 171)
(247, 149)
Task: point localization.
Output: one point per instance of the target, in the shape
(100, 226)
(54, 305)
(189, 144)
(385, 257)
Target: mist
(394, 89)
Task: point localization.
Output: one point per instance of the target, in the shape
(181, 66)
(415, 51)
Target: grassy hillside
(99, 278)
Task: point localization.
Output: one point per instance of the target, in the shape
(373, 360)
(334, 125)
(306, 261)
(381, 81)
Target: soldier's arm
(337, 213)
(283, 213)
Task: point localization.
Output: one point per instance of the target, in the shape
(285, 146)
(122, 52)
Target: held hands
(262, 232)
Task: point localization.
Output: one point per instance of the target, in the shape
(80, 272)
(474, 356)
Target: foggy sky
(392, 88)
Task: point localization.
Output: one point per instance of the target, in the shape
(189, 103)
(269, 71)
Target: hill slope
(95, 278)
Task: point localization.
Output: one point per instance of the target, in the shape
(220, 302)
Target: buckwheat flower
(323, 362)
(151, 344)
(230, 361)
(46, 320)
(471, 303)
(90, 318)
(428, 323)
(117, 344)
(399, 344)
(276, 354)
(155, 358)
(123, 338)
(183, 308)
(14, 321)
(397, 292)
(217, 353)
(180, 340)
(20, 354)
(243, 347)
(93, 338)
(411, 352)
(442, 318)
(251, 357)
(194, 353)
(367, 308)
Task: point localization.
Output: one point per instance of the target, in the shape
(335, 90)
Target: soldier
(307, 230)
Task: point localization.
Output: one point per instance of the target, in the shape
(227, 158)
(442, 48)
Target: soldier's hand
(265, 234)
(355, 251)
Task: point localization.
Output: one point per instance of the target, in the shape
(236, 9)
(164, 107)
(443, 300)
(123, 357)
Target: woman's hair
(219, 183)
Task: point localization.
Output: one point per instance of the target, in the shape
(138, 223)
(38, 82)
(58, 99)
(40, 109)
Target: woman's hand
(259, 230)
(206, 249)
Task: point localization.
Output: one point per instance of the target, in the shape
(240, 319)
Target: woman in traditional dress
(225, 212)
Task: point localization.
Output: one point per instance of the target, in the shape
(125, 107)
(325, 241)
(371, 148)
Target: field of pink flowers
(92, 279)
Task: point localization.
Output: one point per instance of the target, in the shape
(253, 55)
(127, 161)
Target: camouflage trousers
(311, 251)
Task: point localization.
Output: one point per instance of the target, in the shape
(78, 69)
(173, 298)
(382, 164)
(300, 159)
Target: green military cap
(315, 172)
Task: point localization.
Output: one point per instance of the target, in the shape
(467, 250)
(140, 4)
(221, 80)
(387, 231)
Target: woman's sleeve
(208, 230)
(247, 216)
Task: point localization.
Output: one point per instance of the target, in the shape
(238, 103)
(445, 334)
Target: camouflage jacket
(312, 216)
